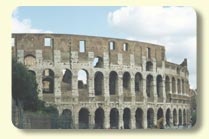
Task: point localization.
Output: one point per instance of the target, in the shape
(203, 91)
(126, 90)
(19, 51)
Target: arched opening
(126, 86)
(113, 83)
(82, 79)
(30, 60)
(149, 66)
(160, 118)
(99, 118)
(48, 81)
(149, 86)
(184, 117)
(66, 84)
(179, 86)
(114, 118)
(139, 118)
(126, 81)
(83, 118)
(167, 89)
(66, 121)
(168, 115)
(98, 62)
(173, 85)
(159, 86)
(126, 118)
(150, 118)
(33, 73)
(83, 85)
(182, 86)
(180, 117)
(174, 117)
(138, 82)
(98, 83)
(178, 70)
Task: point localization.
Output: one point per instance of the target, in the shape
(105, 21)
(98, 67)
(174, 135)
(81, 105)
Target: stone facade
(128, 84)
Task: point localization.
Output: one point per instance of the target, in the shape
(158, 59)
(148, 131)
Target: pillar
(107, 119)
(155, 89)
(120, 120)
(133, 119)
(144, 118)
(164, 91)
(91, 119)
(144, 90)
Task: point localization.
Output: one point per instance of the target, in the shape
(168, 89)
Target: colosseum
(106, 83)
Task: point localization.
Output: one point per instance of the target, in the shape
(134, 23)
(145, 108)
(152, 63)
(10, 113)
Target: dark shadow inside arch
(139, 118)
(66, 121)
(114, 119)
(83, 119)
(99, 119)
(126, 118)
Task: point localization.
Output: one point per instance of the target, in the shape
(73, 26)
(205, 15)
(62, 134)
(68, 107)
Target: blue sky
(172, 27)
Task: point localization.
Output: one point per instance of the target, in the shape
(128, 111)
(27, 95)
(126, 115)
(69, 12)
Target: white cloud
(24, 25)
(173, 27)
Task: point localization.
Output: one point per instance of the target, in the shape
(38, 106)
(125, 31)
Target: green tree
(24, 87)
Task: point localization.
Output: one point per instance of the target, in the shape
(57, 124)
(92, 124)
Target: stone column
(144, 90)
(145, 119)
(181, 87)
(171, 118)
(106, 88)
(164, 118)
(39, 82)
(91, 119)
(155, 89)
(120, 88)
(170, 83)
(75, 94)
(176, 82)
(133, 119)
(177, 117)
(121, 125)
(39, 72)
(132, 89)
(107, 118)
(57, 86)
(91, 85)
(76, 119)
(164, 91)
(155, 117)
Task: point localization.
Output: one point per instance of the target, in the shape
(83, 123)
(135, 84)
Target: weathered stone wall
(64, 54)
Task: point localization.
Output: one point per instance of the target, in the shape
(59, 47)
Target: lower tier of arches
(87, 116)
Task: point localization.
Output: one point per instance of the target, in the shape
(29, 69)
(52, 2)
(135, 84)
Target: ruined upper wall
(67, 43)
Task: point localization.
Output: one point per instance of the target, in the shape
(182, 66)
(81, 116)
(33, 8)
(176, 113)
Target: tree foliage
(24, 87)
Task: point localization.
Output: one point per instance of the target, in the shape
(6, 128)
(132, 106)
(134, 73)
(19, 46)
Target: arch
(66, 80)
(180, 117)
(182, 81)
(99, 118)
(98, 83)
(66, 121)
(160, 118)
(174, 117)
(114, 118)
(48, 81)
(83, 118)
(149, 66)
(173, 85)
(30, 60)
(179, 86)
(111, 45)
(168, 115)
(150, 118)
(33, 73)
(139, 118)
(126, 118)
(98, 62)
(113, 83)
(167, 89)
(149, 85)
(126, 80)
(138, 82)
(82, 79)
(159, 86)
(184, 117)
